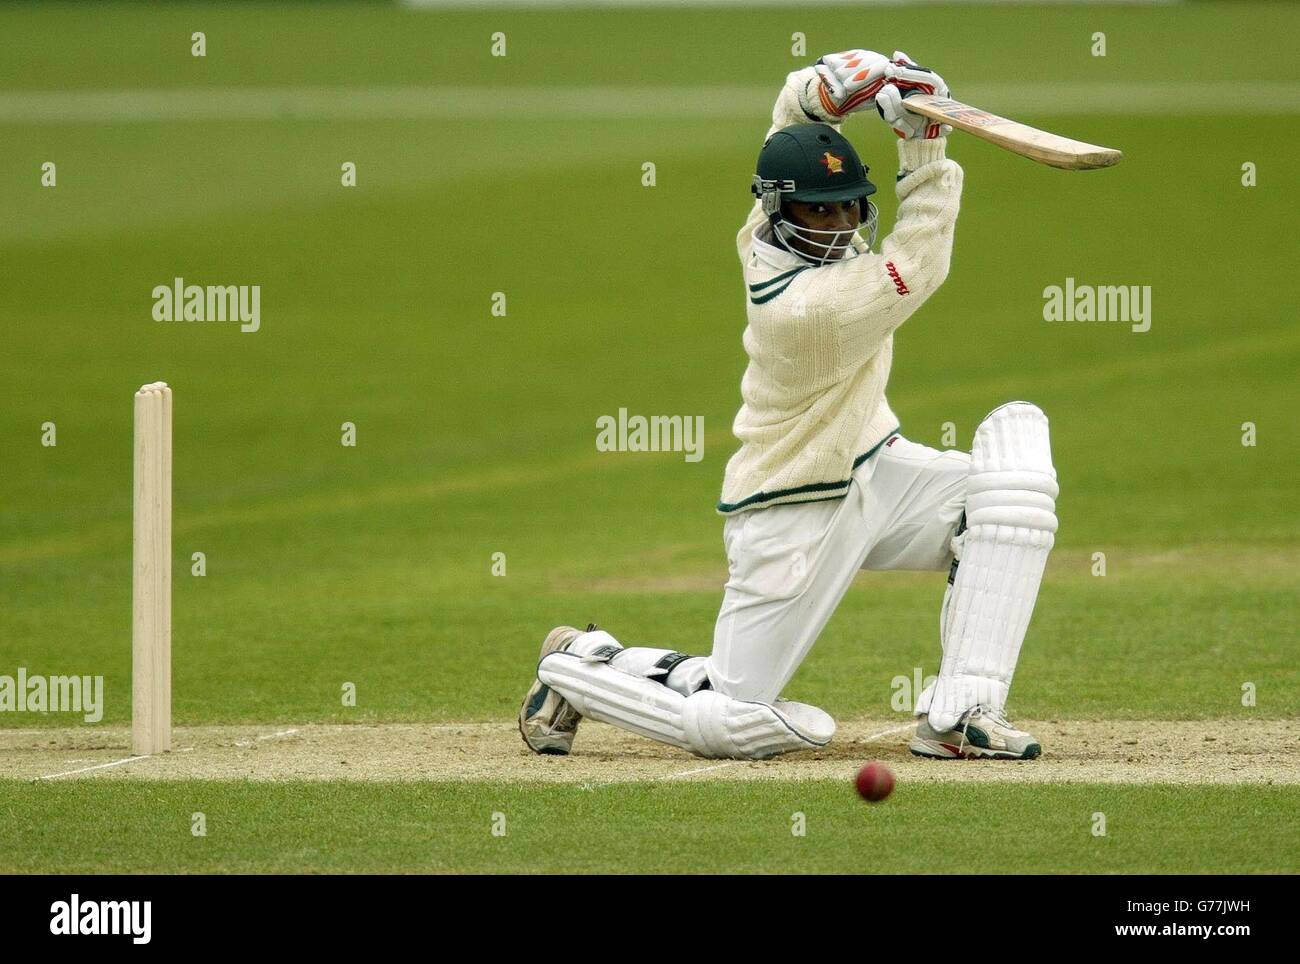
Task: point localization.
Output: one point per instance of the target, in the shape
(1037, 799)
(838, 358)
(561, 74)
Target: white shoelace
(995, 715)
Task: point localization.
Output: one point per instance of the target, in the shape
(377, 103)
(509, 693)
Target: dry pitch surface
(1111, 751)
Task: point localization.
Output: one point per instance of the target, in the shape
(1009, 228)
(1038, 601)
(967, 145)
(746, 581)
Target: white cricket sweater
(820, 339)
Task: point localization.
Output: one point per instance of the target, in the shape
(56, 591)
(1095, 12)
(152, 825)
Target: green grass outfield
(433, 827)
(371, 565)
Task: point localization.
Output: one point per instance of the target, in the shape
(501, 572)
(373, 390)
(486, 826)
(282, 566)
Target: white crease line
(267, 736)
(665, 776)
(280, 734)
(277, 735)
(97, 766)
(184, 749)
(661, 777)
(889, 732)
(716, 766)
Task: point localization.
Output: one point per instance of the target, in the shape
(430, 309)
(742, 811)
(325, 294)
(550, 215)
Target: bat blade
(1042, 146)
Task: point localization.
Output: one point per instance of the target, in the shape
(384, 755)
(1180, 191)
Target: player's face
(838, 216)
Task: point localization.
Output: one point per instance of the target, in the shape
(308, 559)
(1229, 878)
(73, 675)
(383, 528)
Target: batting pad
(1011, 519)
(706, 722)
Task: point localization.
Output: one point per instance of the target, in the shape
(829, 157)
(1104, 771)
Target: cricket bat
(1041, 146)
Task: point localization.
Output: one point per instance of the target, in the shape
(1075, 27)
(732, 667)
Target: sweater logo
(834, 165)
(899, 284)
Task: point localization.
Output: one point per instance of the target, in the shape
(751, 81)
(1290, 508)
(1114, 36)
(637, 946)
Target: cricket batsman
(823, 484)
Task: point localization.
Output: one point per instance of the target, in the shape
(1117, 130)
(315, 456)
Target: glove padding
(849, 81)
(905, 76)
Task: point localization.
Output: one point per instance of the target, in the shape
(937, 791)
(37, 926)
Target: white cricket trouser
(790, 565)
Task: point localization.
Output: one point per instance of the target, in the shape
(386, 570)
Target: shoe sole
(545, 744)
(558, 748)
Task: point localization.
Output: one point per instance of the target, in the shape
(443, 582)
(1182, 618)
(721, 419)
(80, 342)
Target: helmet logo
(834, 165)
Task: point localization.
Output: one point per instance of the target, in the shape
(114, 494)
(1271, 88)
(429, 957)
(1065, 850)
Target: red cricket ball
(875, 782)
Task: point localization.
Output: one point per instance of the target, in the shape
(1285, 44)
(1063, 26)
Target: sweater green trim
(766, 296)
(780, 277)
(830, 487)
(764, 299)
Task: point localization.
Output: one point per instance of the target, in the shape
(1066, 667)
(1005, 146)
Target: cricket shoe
(981, 733)
(546, 720)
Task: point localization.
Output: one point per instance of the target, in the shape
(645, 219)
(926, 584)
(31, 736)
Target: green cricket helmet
(811, 163)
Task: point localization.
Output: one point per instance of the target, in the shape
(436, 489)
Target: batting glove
(904, 76)
(849, 81)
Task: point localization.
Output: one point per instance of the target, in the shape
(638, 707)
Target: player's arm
(869, 296)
